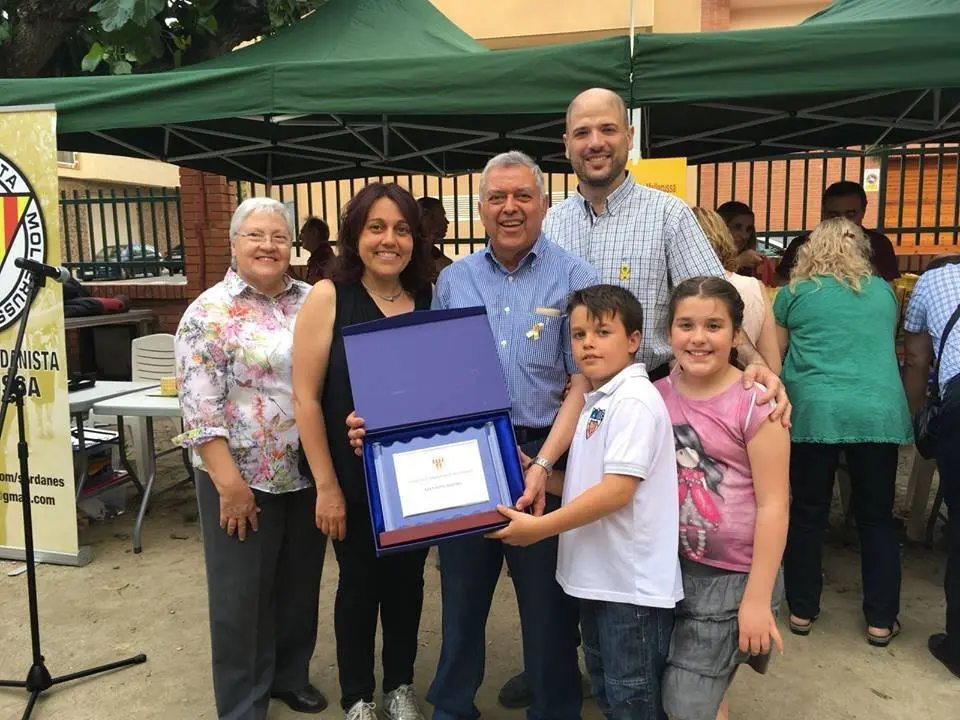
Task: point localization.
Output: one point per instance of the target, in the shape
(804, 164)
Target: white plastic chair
(151, 358)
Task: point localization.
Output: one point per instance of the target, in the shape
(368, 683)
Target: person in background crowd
(636, 237)
(758, 321)
(934, 299)
(435, 225)
(741, 222)
(262, 551)
(383, 269)
(846, 199)
(315, 239)
(836, 323)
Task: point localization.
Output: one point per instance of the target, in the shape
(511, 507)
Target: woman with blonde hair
(758, 321)
(836, 322)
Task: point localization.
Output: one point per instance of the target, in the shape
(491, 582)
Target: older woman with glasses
(262, 550)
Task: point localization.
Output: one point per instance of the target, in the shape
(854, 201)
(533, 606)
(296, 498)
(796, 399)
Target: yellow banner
(666, 174)
(29, 228)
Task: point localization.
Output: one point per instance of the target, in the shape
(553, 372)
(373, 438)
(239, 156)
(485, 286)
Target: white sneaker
(362, 711)
(401, 704)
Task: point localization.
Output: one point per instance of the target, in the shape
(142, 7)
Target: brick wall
(207, 204)
(785, 196)
(715, 15)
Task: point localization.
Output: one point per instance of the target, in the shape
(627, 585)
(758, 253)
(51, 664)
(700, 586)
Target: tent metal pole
(636, 115)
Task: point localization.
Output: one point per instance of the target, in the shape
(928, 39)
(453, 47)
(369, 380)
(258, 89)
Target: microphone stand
(14, 391)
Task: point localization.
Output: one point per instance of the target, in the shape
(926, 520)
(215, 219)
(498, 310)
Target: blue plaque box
(427, 379)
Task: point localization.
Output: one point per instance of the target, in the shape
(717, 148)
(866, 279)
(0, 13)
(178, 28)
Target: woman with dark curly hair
(383, 269)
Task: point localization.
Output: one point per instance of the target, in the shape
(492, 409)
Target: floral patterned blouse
(234, 350)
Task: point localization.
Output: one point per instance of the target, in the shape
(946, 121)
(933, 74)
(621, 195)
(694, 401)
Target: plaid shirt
(527, 313)
(932, 302)
(646, 241)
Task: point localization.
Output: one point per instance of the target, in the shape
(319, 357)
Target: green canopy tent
(859, 73)
(358, 88)
(366, 87)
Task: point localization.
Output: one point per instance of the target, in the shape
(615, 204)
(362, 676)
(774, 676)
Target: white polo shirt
(631, 555)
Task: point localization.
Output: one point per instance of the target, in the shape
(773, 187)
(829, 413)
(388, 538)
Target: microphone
(54, 272)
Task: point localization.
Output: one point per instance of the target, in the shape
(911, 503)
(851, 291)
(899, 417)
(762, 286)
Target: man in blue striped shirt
(523, 280)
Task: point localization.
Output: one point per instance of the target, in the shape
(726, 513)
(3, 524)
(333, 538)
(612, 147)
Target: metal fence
(116, 234)
(912, 196)
(458, 193)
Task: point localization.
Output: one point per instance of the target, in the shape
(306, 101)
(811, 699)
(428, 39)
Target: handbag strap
(943, 343)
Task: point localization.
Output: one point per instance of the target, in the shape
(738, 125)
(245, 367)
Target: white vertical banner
(29, 229)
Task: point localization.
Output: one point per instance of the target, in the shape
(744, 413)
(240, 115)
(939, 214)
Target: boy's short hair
(603, 300)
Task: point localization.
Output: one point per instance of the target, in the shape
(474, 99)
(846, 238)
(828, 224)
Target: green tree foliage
(71, 37)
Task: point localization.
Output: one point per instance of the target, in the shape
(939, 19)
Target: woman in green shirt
(836, 323)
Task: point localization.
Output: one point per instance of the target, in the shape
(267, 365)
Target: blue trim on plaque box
(425, 379)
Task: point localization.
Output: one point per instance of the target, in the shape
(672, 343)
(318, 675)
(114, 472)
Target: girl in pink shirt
(732, 471)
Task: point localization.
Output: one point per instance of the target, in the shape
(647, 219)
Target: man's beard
(604, 180)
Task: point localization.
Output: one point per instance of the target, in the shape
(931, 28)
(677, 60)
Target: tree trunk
(39, 29)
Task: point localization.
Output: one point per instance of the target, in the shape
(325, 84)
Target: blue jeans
(625, 650)
(469, 569)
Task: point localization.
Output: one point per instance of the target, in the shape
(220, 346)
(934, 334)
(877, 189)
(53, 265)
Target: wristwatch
(544, 463)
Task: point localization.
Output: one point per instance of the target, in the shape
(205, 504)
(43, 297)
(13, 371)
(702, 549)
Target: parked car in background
(175, 256)
(141, 262)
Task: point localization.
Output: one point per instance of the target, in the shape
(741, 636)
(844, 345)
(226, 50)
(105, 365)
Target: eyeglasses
(260, 238)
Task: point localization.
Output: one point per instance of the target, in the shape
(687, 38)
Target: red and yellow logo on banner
(11, 214)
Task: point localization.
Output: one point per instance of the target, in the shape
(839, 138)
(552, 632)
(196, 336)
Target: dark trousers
(263, 595)
(469, 570)
(391, 587)
(873, 474)
(625, 650)
(948, 463)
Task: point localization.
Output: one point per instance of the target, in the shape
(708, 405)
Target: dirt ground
(122, 604)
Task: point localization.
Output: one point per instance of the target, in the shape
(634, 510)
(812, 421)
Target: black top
(354, 305)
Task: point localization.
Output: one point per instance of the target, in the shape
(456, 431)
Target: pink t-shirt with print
(718, 508)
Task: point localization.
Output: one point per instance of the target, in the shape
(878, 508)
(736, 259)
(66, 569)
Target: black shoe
(306, 700)
(515, 693)
(939, 648)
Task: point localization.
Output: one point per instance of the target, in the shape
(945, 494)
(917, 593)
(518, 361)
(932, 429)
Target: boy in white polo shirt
(619, 523)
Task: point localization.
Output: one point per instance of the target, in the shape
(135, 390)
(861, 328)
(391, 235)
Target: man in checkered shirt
(642, 239)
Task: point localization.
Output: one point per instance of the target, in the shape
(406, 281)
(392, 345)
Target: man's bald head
(597, 98)
(598, 138)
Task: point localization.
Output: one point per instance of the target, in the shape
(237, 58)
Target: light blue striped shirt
(932, 302)
(646, 241)
(527, 313)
